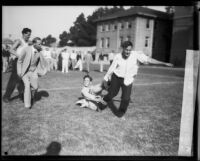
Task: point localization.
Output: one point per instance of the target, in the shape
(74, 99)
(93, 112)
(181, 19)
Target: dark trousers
(115, 84)
(14, 81)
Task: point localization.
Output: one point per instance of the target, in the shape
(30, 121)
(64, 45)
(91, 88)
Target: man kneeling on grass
(91, 95)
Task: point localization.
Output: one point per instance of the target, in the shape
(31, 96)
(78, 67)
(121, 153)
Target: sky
(44, 20)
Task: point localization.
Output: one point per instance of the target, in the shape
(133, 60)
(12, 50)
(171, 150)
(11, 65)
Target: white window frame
(107, 42)
(102, 42)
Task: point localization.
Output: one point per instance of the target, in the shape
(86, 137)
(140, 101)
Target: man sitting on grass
(91, 95)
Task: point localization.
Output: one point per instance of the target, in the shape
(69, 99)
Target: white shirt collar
(34, 50)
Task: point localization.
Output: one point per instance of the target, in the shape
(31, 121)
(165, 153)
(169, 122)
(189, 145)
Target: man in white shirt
(65, 60)
(73, 59)
(122, 72)
(47, 56)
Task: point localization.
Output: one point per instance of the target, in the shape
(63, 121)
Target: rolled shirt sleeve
(142, 57)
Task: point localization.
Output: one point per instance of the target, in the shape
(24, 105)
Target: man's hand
(105, 84)
(100, 99)
(169, 64)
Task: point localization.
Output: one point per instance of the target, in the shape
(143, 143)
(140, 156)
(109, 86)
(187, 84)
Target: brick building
(182, 36)
(149, 30)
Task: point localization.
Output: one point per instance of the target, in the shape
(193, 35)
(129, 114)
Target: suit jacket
(24, 61)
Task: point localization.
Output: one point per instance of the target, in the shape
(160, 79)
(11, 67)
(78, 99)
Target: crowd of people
(31, 59)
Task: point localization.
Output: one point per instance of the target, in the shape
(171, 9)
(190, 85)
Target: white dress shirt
(126, 68)
(65, 55)
(23, 44)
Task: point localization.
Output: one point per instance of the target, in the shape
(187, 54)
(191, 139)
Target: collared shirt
(23, 44)
(88, 93)
(47, 54)
(65, 55)
(126, 68)
(34, 59)
(73, 55)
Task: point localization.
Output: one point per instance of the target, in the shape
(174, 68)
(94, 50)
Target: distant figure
(79, 63)
(101, 61)
(88, 59)
(73, 59)
(65, 60)
(91, 95)
(54, 56)
(5, 57)
(30, 65)
(111, 56)
(47, 56)
(14, 79)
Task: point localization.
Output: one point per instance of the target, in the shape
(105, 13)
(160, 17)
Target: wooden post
(198, 17)
(199, 115)
(188, 103)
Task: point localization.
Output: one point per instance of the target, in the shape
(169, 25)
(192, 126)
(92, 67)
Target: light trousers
(79, 65)
(30, 80)
(65, 65)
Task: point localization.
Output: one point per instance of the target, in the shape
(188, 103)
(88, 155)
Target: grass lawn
(55, 125)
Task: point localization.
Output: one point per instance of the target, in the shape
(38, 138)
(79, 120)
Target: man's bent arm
(111, 69)
(154, 61)
(14, 47)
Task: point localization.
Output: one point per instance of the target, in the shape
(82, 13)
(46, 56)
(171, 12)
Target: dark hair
(25, 30)
(125, 44)
(87, 76)
(35, 39)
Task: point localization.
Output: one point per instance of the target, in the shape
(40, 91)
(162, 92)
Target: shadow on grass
(54, 148)
(41, 94)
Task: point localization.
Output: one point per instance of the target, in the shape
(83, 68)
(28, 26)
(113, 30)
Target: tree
(83, 32)
(64, 38)
(48, 40)
(170, 9)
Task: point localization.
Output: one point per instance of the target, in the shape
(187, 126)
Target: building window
(121, 26)
(108, 27)
(128, 38)
(155, 24)
(102, 43)
(103, 28)
(115, 27)
(128, 25)
(146, 41)
(107, 42)
(148, 23)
